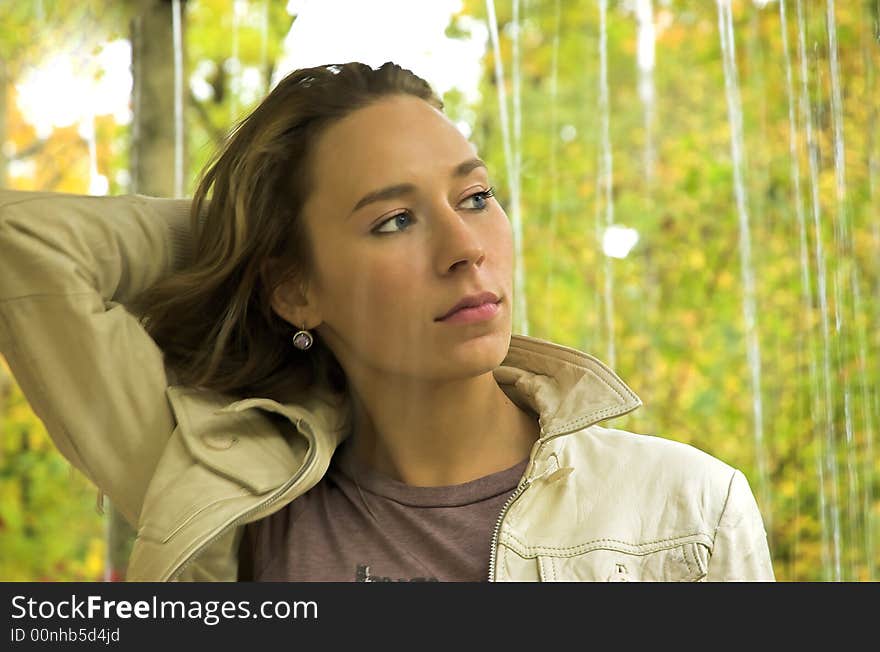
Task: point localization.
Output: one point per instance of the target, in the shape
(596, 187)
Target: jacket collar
(567, 388)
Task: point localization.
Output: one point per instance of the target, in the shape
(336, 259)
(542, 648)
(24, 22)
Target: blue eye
(394, 219)
(482, 198)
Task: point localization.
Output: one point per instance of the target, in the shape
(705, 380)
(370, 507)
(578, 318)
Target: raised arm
(90, 372)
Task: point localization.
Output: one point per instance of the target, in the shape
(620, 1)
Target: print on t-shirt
(363, 575)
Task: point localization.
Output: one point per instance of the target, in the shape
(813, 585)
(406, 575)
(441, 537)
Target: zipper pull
(553, 472)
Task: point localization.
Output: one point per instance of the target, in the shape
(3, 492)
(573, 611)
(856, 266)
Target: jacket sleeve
(87, 367)
(740, 551)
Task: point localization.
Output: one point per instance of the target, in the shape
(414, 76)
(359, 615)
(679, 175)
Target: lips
(471, 301)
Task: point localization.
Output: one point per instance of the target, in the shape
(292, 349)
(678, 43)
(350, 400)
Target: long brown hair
(213, 320)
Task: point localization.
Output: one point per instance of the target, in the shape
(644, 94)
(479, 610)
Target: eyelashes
(483, 194)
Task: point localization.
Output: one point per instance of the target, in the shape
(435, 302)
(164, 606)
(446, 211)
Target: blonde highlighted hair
(213, 320)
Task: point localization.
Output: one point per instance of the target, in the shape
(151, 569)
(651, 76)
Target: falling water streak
(646, 51)
(868, 404)
(836, 105)
(868, 419)
(264, 47)
(874, 149)
(806, 280)
(178, 97)
(847, 254)
(597, 228)
(753, 351)
(5, 155)
(826, 454)
(136, 103)
(868, 493)
(554, 170)
(606, 171)
(834, 262)
(93, 152)
(516, 64)
(646, 56)
(516, 150)
(521, 324)
(233, 64)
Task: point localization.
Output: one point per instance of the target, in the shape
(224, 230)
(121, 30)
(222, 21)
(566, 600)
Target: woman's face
(390, 263)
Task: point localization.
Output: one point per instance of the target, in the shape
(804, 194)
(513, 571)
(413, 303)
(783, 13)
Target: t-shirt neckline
(380, 484)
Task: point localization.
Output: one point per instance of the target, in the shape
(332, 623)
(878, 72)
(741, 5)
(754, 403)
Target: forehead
(396, 139)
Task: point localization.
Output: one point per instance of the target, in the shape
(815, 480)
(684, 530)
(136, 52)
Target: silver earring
(303, 339)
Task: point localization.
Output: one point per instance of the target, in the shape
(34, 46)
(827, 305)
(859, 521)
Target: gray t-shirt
(360, 525)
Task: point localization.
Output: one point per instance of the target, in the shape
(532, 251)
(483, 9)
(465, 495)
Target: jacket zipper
(516, 494)
(244, 517)
(527, 481)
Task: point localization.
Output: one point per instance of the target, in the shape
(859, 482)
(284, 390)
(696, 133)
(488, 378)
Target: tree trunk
(152, 58)
(152, 172)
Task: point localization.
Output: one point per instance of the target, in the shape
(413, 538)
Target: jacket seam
(586, 545)
(572, 357)
(687, 562)
(547, 568)
(724, 507)
(187, 519)
(590, 419)
(585, 363)
(25, 200)
(48, 195)
(47, 295)
(501, 556)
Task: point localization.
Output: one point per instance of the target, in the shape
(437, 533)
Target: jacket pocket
(611, 561)
(249, 447)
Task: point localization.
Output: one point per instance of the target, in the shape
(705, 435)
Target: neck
(442, 434)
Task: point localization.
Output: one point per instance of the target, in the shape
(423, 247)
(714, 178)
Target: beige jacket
(190, 467)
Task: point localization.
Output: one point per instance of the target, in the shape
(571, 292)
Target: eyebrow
(390, 192)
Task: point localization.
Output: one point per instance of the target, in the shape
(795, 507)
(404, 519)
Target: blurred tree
(153, 129)
(152, 165)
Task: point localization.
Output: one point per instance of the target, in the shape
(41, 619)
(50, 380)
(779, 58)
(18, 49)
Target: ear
(289, 298)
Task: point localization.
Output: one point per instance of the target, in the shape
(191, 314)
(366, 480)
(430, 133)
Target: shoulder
(649, 462)
(659, 447)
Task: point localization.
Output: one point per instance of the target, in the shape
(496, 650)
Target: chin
(483, 349)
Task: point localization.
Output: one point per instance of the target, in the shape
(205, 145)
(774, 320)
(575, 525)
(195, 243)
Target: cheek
(368, 290)
(502, 238)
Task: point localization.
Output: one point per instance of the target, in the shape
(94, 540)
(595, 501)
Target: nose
(460, 243)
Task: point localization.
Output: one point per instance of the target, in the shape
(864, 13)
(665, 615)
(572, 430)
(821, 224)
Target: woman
(301, 396)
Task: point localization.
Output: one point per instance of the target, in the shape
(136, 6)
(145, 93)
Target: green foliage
(213, 33)
(30, 30)
(679, 331)
(49, 530)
